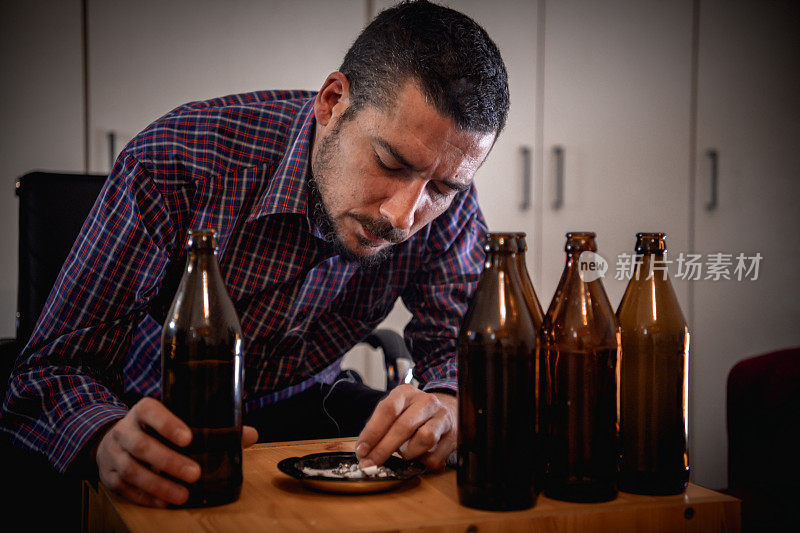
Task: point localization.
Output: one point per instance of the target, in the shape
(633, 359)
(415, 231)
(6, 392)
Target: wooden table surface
(272, 501)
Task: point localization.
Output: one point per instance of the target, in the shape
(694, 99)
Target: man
(328, 207)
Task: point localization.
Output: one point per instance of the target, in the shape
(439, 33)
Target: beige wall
(41, 113)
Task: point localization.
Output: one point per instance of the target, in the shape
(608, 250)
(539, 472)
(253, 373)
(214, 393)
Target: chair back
(52, 210)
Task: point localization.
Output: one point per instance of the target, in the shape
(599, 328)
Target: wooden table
(272, 501)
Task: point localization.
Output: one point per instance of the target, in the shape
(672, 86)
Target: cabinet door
(749, 114)
(149, 56)
(617, 101)
(41, 105)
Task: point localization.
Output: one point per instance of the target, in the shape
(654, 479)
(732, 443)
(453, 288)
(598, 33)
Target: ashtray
(334, 472)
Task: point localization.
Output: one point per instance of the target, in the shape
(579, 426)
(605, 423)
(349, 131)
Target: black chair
(52, 209)
(396, 356)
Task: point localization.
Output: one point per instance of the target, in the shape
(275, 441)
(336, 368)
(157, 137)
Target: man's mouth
(378, 233)
(372, 239)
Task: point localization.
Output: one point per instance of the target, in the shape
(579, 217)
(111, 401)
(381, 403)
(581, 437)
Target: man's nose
(401, 205)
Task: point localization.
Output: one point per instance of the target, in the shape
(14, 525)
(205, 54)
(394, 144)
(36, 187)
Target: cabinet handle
(526, 178)
(112, 141)
(558, 201)
(713, 200)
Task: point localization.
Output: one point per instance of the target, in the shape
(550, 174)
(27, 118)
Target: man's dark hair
(452, 59)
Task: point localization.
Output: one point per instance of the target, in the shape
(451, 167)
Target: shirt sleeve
(440, 293)
(68, 380)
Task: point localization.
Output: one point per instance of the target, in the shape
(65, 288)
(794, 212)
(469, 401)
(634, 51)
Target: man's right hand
(126, 452)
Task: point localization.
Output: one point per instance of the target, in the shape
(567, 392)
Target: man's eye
(384, 166)
(441, 191)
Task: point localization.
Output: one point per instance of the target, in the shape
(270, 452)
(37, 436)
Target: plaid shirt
(240, 165)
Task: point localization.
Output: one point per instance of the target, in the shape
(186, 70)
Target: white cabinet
(41, 105)
(617, 102)
(748, 112)
(149, 56)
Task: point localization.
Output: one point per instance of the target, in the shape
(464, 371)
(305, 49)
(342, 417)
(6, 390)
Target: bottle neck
(650, 267)
(201, 260)
(500, 260)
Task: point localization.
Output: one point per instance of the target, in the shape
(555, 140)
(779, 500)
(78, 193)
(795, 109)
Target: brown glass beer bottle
(497, 406)
(527, 284)
(538, 316)
(578, 383)
(202, 373)
(653, 377)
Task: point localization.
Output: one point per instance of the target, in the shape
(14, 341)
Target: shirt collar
(287, 190)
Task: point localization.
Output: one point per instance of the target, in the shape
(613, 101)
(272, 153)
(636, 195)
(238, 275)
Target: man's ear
(332, 99)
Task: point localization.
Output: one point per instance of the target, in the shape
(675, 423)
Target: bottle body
(202, 374)
(497, 404)
(578, 357)
(654, 380)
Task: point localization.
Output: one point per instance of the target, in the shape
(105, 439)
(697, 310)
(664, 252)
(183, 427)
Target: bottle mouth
(202, 239)
(501, 242)
(651, 242)
(522, 245)
(581, 241)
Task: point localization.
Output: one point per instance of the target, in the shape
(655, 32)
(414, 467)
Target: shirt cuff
(445, 386)
(79, 428)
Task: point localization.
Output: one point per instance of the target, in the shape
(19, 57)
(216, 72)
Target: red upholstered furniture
(763, 414)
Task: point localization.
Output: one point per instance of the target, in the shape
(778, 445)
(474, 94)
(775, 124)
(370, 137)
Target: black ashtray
(402, 472)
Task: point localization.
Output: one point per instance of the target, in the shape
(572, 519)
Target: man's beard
(380, 228)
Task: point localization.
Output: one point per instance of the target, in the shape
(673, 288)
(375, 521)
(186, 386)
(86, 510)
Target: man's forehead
(414, 127)
(454, 156)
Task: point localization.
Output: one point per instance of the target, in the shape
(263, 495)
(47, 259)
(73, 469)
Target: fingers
(133, 480)
(148, 450)
(126, 453)
(436, 458)
(412, 421)
(149, 412)
(382, 419)
(135, 494)
(249, 436)
(425, 438)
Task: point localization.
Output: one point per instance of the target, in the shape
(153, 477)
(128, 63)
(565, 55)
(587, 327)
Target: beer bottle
(527, 284)
(538, 316)
(578, 383)
(497, 406)
(653, 377)
(202, 373)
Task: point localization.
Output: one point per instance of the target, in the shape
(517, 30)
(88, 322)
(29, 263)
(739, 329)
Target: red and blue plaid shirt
(238, 164)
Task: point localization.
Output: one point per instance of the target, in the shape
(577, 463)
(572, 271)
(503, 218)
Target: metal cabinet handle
(713, 200)
(525, 204)
(112, 149)
(558, 201)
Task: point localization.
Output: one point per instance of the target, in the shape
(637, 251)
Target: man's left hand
(420, 425)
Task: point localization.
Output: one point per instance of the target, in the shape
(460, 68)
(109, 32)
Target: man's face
(382, 174)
